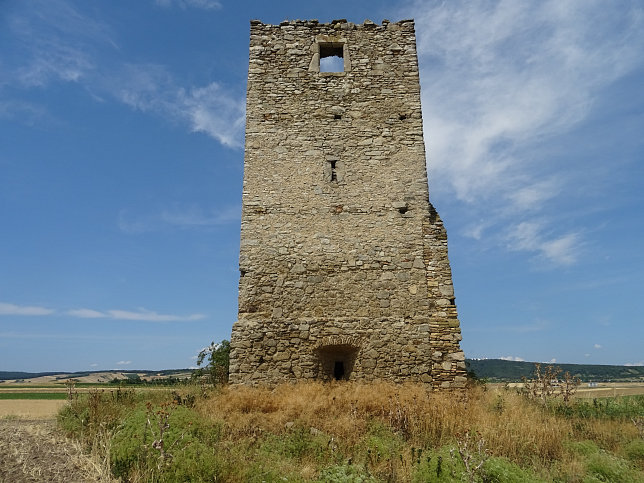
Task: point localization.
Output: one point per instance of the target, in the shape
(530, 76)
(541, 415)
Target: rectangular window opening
(331, 57)
(334, 173)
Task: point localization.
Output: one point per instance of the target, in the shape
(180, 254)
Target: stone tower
(343, 263)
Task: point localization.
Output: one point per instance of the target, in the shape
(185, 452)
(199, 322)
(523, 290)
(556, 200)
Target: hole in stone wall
(452, 301)
(331, 57)
(337, 361)
(402, 210)
(334, 173)
(337, 116)
(242, 272)
(402, 117)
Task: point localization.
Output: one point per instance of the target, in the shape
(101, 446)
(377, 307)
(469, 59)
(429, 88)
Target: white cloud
(511, 73)
(57, 43)
(139, 315)
(86, 313)
(597, 346)
(531, 236)
(499, 80)
(213, 110)
(93, 365)
(512, 358)
(203, 4)
(123, 363)
(634, 364)
(12, 309)
(149, 316)
(195, 216)
(53, 42)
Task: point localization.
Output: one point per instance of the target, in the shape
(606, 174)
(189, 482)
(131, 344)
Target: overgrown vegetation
(348, 432)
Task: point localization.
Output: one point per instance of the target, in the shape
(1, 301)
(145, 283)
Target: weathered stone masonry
(343, 263)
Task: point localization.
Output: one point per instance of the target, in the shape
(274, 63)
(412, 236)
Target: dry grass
(359, 432)
(511, 426)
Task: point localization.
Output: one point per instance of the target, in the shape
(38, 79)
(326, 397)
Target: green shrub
(438, 466)
(297, 444)
(346, 473)
(584, 448)
(602, 466)
(188, 446)
(634, 451)
(500, 470)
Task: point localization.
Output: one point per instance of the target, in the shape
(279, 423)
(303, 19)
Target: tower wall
(343, 261)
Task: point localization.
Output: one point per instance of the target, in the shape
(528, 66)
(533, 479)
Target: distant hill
(10, 375)
(498, 370)
(494, 370)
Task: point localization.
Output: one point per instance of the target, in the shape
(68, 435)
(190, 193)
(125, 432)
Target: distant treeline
(497, 370)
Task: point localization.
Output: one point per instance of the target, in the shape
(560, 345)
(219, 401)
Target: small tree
(215, 360)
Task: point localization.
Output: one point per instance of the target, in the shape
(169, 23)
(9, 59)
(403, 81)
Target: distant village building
(343, 263)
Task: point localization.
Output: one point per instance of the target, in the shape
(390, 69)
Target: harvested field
(34, 450)
(31, 409)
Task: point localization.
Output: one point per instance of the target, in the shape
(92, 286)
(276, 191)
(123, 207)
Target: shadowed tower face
(343, 262)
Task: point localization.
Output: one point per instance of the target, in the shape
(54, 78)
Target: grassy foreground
(348, 432)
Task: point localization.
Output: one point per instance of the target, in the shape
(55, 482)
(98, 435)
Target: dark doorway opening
(338, 370)
(336, 361)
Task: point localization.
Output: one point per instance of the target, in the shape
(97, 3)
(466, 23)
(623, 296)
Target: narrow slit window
(334, 172)
(331, 57)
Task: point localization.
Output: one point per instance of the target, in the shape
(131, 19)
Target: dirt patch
(30, 409)
(35, 450)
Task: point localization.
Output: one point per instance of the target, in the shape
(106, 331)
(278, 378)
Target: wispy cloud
(12, 309)
(123, 363)
(214, 110)
(55, 42)
(26, 113)
(634, 364)
(597, 346)
(501, 78)
(139, 315)
(86, 313)
(180, 216)
(532, 236)
(203, 4)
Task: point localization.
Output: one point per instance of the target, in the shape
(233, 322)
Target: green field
(32, 395)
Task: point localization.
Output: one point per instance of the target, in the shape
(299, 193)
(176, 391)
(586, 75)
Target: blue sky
(121, 163)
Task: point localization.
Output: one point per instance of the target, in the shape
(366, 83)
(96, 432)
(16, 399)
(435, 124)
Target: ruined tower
(343, 263)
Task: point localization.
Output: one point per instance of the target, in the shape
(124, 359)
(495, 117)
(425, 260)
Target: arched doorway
(337, 361)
